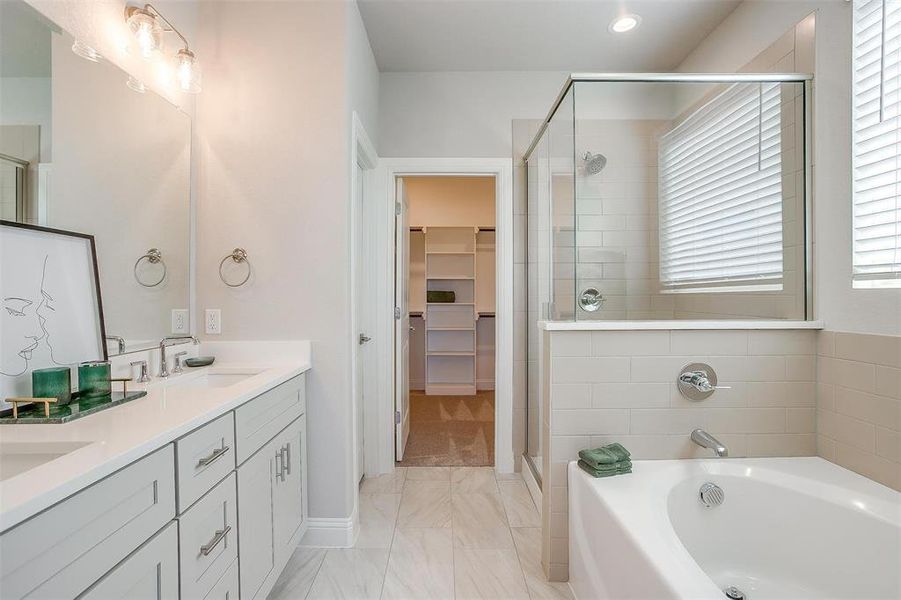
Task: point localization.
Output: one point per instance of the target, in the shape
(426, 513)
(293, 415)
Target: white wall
(455, 114)
(746, 32)
(274, 164)
(450, 201)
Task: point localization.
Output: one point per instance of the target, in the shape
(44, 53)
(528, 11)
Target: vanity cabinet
(218, 511)
(67, 548)
(271, 486)
(150, 573)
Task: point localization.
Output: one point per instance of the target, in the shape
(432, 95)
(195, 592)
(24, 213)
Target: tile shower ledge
(673, 324)
(117, 437)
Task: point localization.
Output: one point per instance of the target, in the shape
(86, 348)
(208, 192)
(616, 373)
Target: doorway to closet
(447, 263)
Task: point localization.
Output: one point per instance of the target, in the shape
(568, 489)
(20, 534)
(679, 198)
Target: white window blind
(877, 143)
(720, 197)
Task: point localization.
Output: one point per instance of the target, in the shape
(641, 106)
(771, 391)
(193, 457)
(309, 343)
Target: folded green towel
(440, 296)
(621, 470)
(626, 464)
(605, 455)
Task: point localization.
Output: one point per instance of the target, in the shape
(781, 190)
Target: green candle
(94, 379)
(54, 382)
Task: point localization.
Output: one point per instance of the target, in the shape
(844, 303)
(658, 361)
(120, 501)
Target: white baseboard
(330, 533)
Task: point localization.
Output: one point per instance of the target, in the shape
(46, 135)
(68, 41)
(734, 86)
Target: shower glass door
(689, 200)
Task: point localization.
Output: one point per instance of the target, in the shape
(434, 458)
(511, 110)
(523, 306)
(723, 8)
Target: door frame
(380, 446)
(362, 153)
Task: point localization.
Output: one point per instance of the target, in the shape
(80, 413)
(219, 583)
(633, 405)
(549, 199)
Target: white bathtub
(789, 528)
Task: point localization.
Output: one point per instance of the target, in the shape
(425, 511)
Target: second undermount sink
(216, 379)
(18, 457)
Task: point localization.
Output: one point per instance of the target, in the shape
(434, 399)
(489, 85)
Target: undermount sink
(18, 457)
(216, 380)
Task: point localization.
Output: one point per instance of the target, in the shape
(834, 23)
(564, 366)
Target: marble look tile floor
(431, 532)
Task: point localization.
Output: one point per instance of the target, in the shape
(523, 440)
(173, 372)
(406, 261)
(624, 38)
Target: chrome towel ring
(238, 255)
(154, 257)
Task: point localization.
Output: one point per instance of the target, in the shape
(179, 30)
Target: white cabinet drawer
(227, 586)
(150, 573)
(208, 540)
(259, 420)
(65, 549)
(203, 458)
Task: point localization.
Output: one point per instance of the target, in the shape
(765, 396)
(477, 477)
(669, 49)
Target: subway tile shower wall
(606, 386)
(859, 404)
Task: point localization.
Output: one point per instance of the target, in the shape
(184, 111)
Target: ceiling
(536, 35)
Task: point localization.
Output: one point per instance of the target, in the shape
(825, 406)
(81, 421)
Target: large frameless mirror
(84, 147)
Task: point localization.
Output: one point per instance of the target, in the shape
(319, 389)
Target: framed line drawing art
(51, 312)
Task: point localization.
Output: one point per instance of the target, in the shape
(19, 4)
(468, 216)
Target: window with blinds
(877, 143)
(720, 196)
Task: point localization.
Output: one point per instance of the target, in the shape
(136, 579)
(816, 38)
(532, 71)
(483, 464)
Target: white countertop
(120, 435)
(674, 324)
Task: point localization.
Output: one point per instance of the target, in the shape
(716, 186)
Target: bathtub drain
(734, 593)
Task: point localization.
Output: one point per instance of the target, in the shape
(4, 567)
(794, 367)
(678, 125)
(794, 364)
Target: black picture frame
(90, 239)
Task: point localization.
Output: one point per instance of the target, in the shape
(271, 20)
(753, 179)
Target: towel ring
(154, 257)
(239, 255)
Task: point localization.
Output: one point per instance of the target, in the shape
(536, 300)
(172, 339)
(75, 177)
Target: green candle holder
(94, 379)
(53, 382)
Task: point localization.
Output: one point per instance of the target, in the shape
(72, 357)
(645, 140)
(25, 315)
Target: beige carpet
(450, 431)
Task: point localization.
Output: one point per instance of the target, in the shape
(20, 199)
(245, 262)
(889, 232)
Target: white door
(360, 298)
(255, 557)
(402, 322)
(287, 495)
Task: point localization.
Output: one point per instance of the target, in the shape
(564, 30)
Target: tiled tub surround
(859, 404)
(604, 386)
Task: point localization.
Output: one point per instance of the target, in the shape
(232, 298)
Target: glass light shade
(136, 85)
(187, 71)
(146, 29)
(85, 51)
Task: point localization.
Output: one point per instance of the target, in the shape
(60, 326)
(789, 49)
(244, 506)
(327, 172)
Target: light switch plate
(213, 321)
(180, 320)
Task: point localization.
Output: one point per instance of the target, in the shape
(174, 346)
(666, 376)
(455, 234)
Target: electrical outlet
(213, 321)
(180, 320)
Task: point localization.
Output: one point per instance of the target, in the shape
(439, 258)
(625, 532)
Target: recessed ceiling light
(624, 23)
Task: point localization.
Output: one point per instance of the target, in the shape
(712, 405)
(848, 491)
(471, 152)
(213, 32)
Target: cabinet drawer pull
(280, 465)
(220, 535)
(216, 455)
(286, 451)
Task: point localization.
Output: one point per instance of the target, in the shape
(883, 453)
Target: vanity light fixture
(145, 23)
(85, 51)
(624, 23)
(187, 71)
(136, 85)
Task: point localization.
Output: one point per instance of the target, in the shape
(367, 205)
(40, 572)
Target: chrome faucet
(164, 363)
(120, 342)
(698, 380)
(705, 440)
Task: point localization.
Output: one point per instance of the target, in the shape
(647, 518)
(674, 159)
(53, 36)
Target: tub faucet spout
(705, 440)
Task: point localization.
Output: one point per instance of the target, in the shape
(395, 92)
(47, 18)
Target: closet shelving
(450, 327)
(457, 343)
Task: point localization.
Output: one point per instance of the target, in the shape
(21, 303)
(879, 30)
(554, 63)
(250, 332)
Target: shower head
(594, 163)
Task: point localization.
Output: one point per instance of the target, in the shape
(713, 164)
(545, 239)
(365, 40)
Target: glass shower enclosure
(666, 197)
